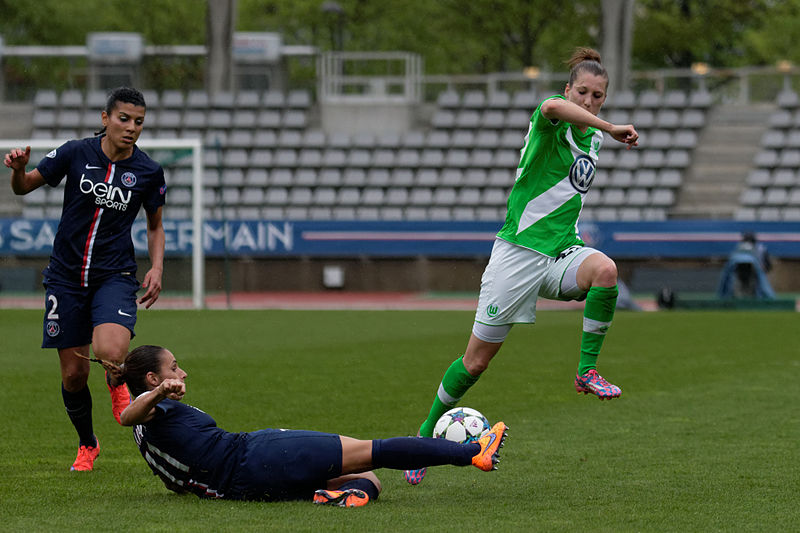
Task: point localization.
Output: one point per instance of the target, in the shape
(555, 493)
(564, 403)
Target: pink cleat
(593, 383)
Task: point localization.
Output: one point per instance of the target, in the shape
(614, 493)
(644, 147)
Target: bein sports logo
(106, 195)
(581, 173)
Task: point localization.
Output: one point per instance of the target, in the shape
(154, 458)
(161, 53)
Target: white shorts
(516, 277)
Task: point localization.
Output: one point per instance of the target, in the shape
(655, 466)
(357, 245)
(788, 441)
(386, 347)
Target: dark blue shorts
(72, 312)
(286, 465)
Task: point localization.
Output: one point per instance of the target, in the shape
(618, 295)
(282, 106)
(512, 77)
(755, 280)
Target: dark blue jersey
(101, 201)
(186, 449)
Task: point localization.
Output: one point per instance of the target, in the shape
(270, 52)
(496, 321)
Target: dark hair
(588, 60)
(140, 361)
(127, 95)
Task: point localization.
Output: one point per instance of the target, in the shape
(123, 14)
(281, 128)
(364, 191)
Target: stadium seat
(240, 139)
(365, 140)
(273, 100)
(498, 99)
(783, 177)
(775, 196)
(378, 177)
(348, 196)
(71, 99)
(223, 100)
(443, 119)
(693, 119)
(281, 177)
(643, 118)
(426, 177)
(309, 158)
(700, 99)
(662, 197)
(388, 139)
(330, 176)
(298, 99)
(354, 177)
(294, 119)
(487, 139)
(525, 100)
(313, 139)
(358, 158)
(333, 158)
(383, 158)
(468, 196)
(402, 177)
(256, 177)
(324, 196)
(675, 99)
(269, 119)
(300, 196)
(474, 99)
(433, 158)
(438, 139)
(248, 100)
(172, 99)
(649, 99)
(372, 196)
(622, 100)
(284, 157)
(45, 99)
(305, 177)
(220, 119)
(448, 100)
(463, 139)
(467, 119)
(752, 197)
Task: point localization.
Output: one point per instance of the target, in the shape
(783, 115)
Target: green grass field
(705, 437)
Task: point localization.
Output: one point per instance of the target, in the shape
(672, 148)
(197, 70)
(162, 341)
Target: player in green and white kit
(538, 251)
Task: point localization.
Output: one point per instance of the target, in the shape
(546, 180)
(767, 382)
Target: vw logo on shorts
(581, 173)
(52, 328)
(128, 179)
(491, 310)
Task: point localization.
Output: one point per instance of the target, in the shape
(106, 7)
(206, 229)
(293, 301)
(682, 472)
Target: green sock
(597, 315)
(455, 383)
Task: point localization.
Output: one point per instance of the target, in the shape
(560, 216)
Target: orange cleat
(120, 399)
(491, 443)
(84, 462)
(341, 498)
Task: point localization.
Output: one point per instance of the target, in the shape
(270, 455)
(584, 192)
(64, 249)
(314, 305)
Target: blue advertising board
(261, 238)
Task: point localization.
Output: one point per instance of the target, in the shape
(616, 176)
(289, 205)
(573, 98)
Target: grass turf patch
(704, 437)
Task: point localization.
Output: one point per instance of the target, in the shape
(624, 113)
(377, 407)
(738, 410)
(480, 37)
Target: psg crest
(52, 328)
(581, 173)
(128, 179)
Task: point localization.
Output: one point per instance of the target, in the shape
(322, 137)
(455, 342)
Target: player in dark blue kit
(186, 449)
(90, 281)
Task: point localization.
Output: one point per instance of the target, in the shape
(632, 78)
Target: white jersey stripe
(546, 203)
(168, 458)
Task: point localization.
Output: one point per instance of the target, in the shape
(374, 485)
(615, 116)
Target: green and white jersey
(556, 169)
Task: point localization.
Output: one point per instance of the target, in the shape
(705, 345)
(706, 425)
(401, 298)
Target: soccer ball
(461, 424)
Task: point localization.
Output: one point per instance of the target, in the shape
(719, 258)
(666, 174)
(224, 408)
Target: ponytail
(585, 60)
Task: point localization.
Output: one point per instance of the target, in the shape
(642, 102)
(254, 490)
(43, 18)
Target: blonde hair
(585, 60)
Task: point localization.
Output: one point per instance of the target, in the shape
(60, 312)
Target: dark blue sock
(79, 410)
(411, 453)
(364, 484)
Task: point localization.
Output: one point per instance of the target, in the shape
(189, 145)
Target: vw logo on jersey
(581, 173)
(52, 329)
(128, 179)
